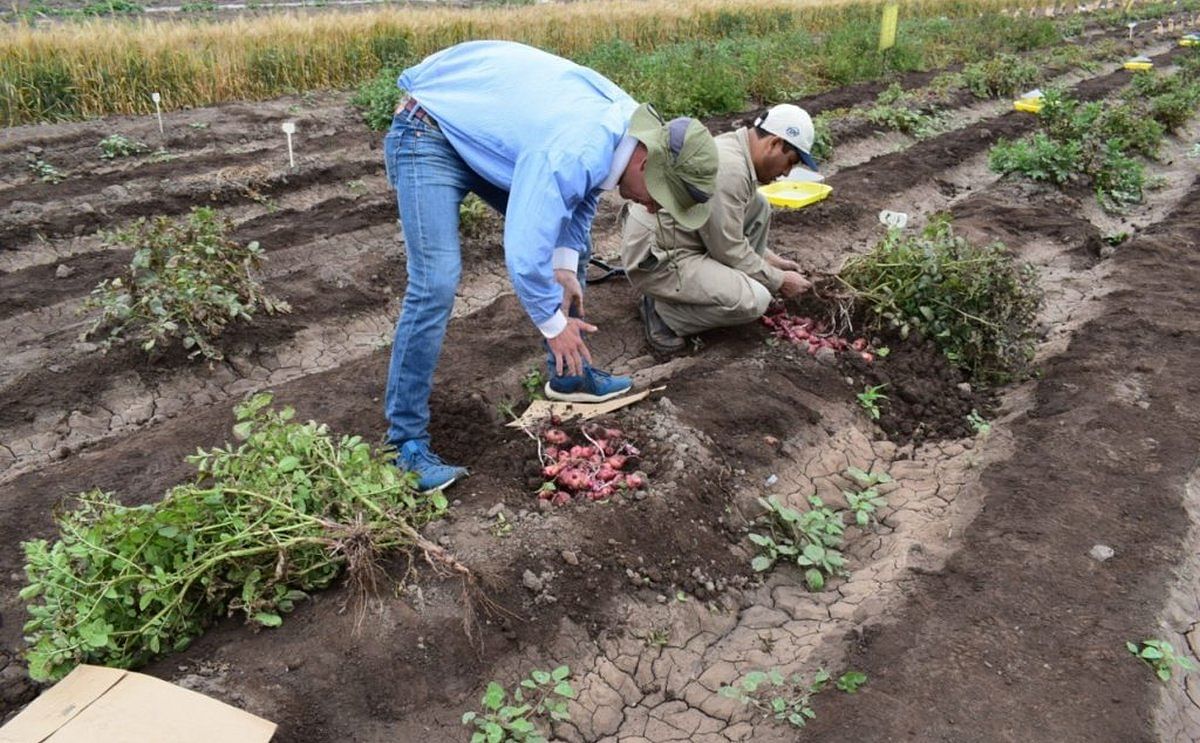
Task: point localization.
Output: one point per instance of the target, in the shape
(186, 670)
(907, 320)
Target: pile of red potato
(595, 470)
(810, 334)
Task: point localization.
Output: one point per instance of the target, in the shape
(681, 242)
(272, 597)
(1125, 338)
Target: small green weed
(658, 637)
(867, 479)
(515, 717)
(810, 539)
(45, 172)
(501, 527)
(977, 422)
(851, 681)
(864, 504)
(534, 384)
(869, 400)
(118, 145)
(787, 699)
(473, 215)
(1160, 656)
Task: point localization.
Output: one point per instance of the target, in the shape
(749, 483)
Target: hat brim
(808, 161)
(648, 128)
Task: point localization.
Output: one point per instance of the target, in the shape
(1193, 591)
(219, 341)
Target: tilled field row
(33, 442)
(629, 686)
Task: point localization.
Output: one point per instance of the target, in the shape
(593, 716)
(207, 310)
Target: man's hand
(570, 352)
(572, 291)
(794, 284)
(783, 264)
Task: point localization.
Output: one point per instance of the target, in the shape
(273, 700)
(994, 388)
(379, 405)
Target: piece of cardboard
(540, 409)
(94, 704)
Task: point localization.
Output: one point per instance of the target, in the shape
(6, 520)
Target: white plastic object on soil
(157, 110)
(289, 128)
(897, 220)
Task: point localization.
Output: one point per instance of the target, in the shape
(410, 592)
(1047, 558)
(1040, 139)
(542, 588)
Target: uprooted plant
(186, 280)
(279, 515)
(977, 303)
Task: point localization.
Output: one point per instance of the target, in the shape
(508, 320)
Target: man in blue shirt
(538, 138)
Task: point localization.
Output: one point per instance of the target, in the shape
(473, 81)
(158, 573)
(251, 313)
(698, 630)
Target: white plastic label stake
(897, 220)
(289, 128)
(157, 110)
(1131, 25)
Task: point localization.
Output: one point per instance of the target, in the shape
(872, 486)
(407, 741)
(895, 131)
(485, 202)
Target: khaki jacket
(647, 247)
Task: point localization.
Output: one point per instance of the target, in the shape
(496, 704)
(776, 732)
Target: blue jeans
(431, 180)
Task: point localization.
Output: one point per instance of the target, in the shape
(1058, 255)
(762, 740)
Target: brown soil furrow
(254, 182)
(38, 286)
(67, 145)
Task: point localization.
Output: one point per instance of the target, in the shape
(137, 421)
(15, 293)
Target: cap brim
(808, 161)
(689, 214)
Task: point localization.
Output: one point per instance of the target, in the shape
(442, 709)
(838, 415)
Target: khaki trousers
(693, 292)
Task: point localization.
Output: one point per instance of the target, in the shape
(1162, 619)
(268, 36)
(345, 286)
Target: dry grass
(111, 66)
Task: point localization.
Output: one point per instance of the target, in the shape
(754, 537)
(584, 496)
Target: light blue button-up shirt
(539, 126)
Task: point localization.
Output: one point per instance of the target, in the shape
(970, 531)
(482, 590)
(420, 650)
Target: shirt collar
(620, 161)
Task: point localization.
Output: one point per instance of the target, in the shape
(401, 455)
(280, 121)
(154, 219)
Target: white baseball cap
(793, 125)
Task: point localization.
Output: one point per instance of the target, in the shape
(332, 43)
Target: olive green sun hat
(681, 164)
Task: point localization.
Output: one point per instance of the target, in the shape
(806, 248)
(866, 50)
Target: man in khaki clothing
(722, 273)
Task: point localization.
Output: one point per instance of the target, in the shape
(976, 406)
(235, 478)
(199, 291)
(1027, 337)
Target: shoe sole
(441, 487)
(582, 396)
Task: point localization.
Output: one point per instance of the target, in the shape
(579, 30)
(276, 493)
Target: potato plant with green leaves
(976, 303)
(787, 699)
(186, 280)
(542, 696)
(1001, 76)
(118, 145)
(263, 523)
(810, 539)
(1160, 656)
(1096, 143)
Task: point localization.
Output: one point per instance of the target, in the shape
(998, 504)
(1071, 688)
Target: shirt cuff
(555, 325)
(773, 277)
(566, 258)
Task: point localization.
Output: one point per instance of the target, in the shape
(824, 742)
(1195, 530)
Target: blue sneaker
(432, 473)
(591, 386)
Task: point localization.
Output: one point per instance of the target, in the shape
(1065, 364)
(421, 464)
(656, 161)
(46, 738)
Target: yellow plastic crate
(1190, 41)
(795, 194)
(1028, 105)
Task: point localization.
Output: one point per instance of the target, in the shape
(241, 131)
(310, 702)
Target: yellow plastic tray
(1028, 105)
(1185, 41)
(795, 194)
(1139, 66)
